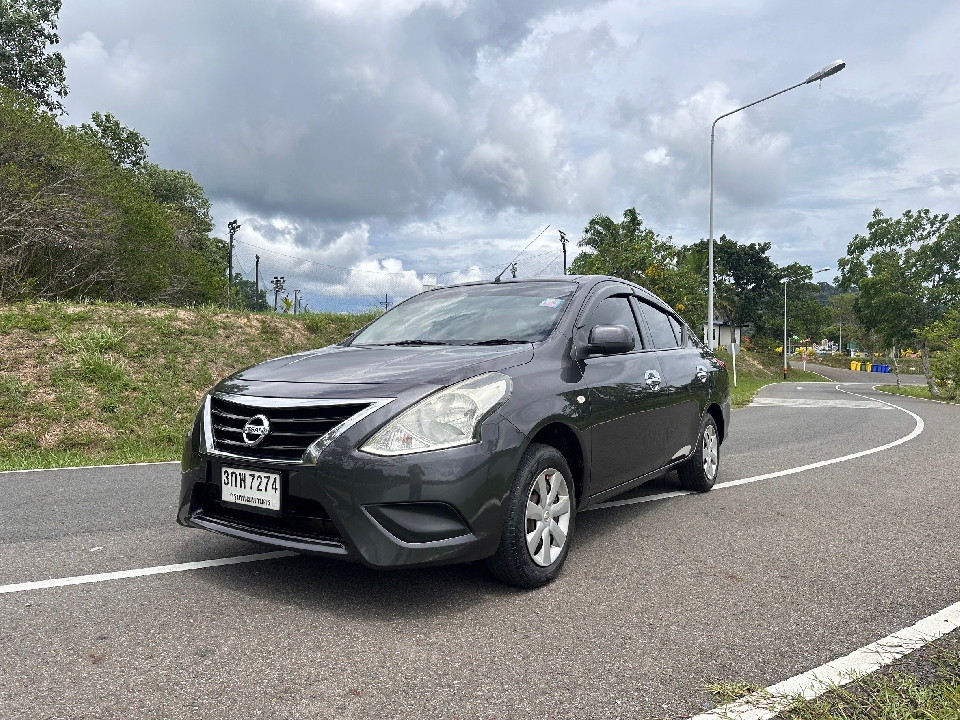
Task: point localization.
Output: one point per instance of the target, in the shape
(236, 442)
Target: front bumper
(421, 509)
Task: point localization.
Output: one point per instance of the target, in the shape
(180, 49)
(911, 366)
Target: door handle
(702, 373)
(652, 378)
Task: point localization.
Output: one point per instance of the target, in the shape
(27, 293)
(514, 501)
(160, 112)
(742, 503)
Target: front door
(625, 404)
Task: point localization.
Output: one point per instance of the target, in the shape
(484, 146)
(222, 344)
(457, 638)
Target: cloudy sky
(436, 135)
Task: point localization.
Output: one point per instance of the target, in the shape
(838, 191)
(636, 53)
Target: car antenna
(497, 278)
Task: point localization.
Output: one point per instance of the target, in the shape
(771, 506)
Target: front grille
(292, 429)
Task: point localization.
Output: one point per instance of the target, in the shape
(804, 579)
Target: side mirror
(608, 340)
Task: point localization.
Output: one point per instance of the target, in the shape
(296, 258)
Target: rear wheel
(699, 473)
(539, 522)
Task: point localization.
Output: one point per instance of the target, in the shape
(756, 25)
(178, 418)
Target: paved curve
(758, 582)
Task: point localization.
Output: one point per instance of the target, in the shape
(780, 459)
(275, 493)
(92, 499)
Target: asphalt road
(755, 582)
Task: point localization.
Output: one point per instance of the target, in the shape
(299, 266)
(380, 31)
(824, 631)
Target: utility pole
(296, 301)
(563, 242)
(232, 226)
(278, 288)
(256, 302)
(385, 303)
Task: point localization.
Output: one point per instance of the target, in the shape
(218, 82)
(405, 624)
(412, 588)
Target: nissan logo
(256, 429)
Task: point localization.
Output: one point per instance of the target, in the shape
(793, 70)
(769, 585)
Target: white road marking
(90, 467)
(142, 572)
(775, 699)
(811, 403)
(780, 473)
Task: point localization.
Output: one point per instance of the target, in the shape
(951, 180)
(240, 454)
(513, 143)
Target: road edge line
(777, 698)
(141, 572)
(91, 467)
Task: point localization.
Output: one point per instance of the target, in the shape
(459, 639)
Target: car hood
(387, 365)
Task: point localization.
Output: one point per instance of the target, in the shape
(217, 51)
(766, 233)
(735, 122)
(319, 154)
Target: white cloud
(657, 156)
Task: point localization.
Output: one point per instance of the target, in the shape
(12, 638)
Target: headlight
(448, 418)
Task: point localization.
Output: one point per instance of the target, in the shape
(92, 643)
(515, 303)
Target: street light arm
(755, 102)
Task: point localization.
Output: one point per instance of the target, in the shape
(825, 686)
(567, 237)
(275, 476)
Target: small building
(724, 333)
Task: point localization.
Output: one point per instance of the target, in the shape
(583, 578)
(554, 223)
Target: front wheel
(539, 520)
(699, 473)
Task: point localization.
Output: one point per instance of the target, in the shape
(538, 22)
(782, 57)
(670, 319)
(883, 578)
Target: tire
(699, 473)
(542, 471)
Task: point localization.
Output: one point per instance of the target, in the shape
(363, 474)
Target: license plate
(250, 487)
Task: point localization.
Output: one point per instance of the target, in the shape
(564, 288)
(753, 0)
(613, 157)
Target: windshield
(473, 315)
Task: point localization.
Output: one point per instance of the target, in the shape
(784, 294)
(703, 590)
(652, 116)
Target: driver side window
(616, 311)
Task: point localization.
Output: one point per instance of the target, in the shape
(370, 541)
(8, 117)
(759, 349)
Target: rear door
(625, 402)
(685, 379)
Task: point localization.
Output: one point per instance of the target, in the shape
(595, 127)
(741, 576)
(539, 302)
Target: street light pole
(824, 72)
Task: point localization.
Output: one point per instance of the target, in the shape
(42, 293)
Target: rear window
(660, 326)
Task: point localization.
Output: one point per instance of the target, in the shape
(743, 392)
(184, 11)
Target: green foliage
(333, 324)
(725, 691)
(907, 271)
(747, 287)
(806, 317)
(250, 297)
(944, 335)
(74, 223)
(27, 29)
(125, 146)
(745, 278)
(631, 251)
(625, 250)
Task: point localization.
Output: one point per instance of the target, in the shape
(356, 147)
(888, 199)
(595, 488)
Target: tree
(251, 297)
(125, 146)
(57, 225)
(907, 271)
(844, 325)
(744, 278)
(27, 29)
(73, 223)
(631, 251)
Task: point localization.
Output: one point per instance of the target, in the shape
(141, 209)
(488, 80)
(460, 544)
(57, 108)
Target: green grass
(923, 685)
(756, 370)
(919, 391)
(88, 384)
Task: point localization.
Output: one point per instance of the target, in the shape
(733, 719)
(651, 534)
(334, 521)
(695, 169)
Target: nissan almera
(468, 422)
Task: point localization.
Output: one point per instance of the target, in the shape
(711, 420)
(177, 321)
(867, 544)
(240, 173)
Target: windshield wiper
(500, 341)
(414, 342)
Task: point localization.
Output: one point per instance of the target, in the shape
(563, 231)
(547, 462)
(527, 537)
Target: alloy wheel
(711, 451)
(548, 517)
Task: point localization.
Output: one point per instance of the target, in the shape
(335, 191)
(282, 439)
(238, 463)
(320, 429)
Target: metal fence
(318, 287)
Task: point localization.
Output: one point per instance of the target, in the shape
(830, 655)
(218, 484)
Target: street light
(824, 72)
(785, 281)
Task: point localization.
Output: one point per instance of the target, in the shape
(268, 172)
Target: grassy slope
(754, 370)
(91, 384)
(100, 383)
